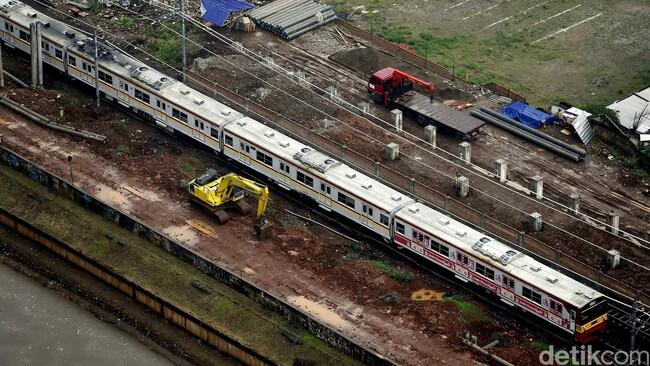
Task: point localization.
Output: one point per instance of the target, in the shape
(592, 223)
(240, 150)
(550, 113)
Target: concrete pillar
(332, 93)
(430, 133)
(396, 119)
(37, 54)
(465, 151)
(365, 107)
(535, 221)
(391, 151)
(537, 187)
(613, 220)
(574, 203)
(501, 170)
(462, 186)
(613, 258)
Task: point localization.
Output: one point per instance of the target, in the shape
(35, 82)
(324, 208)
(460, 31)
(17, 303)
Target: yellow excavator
(219, 194)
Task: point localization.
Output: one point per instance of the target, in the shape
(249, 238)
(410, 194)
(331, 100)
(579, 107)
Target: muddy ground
(349, 286)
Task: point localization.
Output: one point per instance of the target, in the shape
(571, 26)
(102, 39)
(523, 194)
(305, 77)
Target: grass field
(588, 52)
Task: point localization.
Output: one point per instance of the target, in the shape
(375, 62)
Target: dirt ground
(600, 56)
(141, 170)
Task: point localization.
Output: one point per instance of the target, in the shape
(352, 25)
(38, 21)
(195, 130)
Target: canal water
(39, 327)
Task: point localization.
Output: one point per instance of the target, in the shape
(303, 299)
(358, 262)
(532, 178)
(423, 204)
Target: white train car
(516, 278)
(473, 257)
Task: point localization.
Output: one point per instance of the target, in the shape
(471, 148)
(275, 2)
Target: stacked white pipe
(292, 18)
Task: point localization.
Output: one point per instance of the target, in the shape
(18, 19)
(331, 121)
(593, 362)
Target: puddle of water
(182, 233)
(113, 197)
(320, 311)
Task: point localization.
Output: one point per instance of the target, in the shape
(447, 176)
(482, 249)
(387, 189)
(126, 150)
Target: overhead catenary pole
(633, 329)
(97, 95)
(183, 40)
(2, 71)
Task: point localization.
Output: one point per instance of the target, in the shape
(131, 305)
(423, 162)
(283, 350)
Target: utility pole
(633, 330)
(2, 71)
(97, 95)
(183, 40)
(70, 166)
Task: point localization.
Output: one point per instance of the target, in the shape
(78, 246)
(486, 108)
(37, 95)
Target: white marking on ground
(482, 11)
(567, 28)
(556, 15)
(455, 5)
(521, 12)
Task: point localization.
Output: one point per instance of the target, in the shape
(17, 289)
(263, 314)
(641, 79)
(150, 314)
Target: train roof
(319, 164)
(24, 15)
(499, 255)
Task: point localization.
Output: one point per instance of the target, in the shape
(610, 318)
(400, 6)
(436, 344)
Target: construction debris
(292, 18)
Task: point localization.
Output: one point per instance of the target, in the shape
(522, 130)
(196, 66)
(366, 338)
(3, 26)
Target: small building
(633, 115)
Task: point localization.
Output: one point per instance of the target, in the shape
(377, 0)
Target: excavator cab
(222, 194)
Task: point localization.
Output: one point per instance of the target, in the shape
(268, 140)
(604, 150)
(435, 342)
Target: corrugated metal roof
(218, 11)
(634, 108)
(580, 124)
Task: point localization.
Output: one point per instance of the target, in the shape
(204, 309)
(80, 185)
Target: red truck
(395, 89)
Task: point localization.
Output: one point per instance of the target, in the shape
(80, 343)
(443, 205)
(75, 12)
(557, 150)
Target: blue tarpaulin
(529, 116)
(218, 11)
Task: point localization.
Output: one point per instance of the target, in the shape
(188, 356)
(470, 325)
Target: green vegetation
(144, 263)
(539, 345)
(192, 167)
(391, 271)
(164, 42)
(94, 6)
(127, 21)
(471, 312)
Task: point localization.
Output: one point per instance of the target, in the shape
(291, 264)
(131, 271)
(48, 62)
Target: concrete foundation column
(501, 170)
(535, 222)
(574, 203)
(391, 151)
(537, 187)
(37, 55)
(465, 151)
(613, 258)
(430, 133)
(613, 220)
(396, 119)
(462, 186)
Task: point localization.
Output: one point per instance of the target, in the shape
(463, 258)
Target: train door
(366, 215)
(123, 92)
(197, 132)
(285, 175)
(572, 320)
(244, 150)
(324, 198)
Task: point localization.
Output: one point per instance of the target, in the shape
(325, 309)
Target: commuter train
(471, 256)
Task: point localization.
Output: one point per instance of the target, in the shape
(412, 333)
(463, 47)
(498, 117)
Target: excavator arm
(260, 192)
(216, 192)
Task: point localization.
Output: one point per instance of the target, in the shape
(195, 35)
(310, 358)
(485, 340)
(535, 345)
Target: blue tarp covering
(529, 116)
(218, 11)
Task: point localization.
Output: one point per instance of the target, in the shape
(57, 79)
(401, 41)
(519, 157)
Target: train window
(284, 168)
(399, 227)
(305, 179)
(554, 305)
(264, 158)
(228, 140)
(83, 66)
(483, 270)
(346, 200)
(58, 54)
(444, 250)
(126, 86)
(105, 77)
(202, 126)
(370, 211)
(145, 98)
(508, 282)
(177, 114)
(196, 123)
(214, 132)
(435, 246)
(531, 295)
(462, 258)
(365, 209)
(23, 35)
(383, 219)
(7, 26)
(72, 60)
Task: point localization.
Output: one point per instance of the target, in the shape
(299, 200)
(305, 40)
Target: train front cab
(591, 321)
